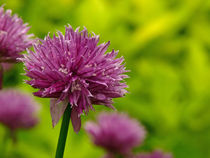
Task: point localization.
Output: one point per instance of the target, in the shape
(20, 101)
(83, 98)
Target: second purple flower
(13, 36)
(73, 68)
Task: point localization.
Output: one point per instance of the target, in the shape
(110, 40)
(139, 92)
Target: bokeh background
(166, 45)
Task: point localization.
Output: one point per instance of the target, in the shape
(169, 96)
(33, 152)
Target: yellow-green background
(166, 45)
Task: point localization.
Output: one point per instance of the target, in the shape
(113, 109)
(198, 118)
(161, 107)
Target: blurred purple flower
(154, 154)
(116, 133)
(73, 68)
(17, 110)
(13, 36)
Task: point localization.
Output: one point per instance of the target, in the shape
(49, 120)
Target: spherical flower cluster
(17, 110)
(73, 68)
(116, 133)
(13, 36)
(154, 154)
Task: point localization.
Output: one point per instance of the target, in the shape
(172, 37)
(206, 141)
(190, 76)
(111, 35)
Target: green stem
(4, 144)
(63, 132)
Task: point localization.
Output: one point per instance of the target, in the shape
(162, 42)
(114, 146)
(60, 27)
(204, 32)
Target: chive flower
(116, 133)
(13, 36)
(73, 68)
(17, 110)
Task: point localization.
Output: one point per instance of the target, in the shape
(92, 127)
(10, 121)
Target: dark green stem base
(63, 132)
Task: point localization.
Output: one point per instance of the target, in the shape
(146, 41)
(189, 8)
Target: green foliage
(166, 44)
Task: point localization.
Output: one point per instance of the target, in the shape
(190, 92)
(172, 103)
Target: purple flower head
(154, 154)
(17, 110)
(13, 36)
(73, 68)
(116, 133)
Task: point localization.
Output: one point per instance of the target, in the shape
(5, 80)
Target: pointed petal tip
(75, 120)
(53, 124)
(77, 126)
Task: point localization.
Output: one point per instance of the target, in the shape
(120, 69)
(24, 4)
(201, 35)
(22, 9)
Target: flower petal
(57, 109)
(75, 120)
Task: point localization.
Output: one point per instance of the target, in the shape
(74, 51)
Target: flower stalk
(63, 132)
(4, 144)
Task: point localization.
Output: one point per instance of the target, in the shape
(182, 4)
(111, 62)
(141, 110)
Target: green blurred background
(166, 45)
